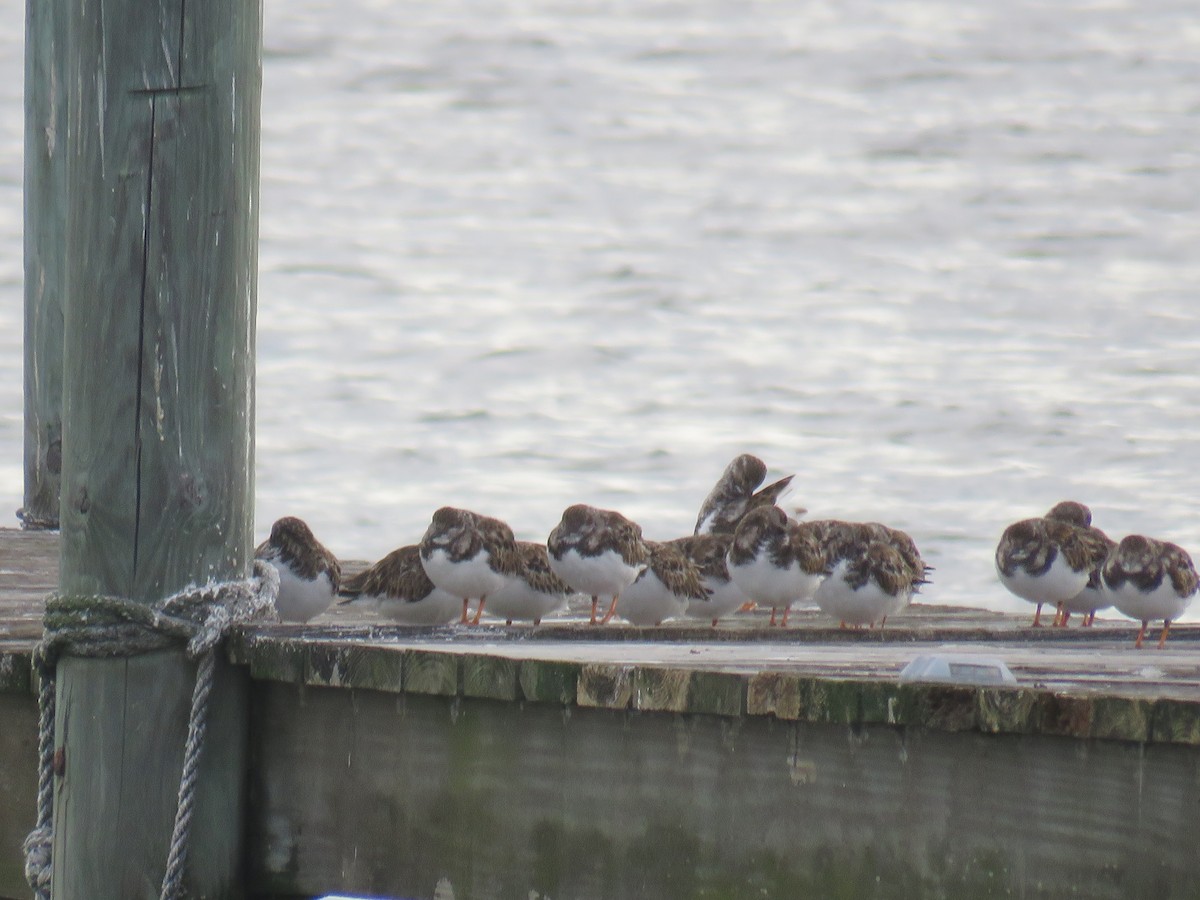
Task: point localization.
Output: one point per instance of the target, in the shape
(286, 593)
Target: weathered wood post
(45, 259)
(162, 146)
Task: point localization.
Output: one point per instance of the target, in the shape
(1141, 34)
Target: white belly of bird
(1059, 582)
(863, 606)
(469, 578)
(517, 600)
(1162, 603)
(726, 597)
(1088, 600)
(768, 585)
(597, 576)
(300, 600)
(438, 607)
(648, 601)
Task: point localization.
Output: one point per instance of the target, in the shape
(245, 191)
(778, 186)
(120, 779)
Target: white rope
(110, 627)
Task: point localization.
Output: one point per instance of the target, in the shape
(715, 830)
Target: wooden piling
(45, 257)
(162, 149)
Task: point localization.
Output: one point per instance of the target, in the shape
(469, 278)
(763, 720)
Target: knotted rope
(100, 626)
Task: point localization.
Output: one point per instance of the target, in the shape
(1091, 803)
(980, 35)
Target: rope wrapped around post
(100, 626)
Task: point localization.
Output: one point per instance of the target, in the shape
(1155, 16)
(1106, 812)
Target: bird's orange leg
(783, 622)
(595, 603)
(714, 625)
(1037, 617)
(479, 612)
(1090, 619)
(612, 608)
(772, 622)
(466, 605)
(1141, 633)
(1166, 628)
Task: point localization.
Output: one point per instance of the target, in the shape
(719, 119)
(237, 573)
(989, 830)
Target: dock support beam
(162, 151)
(45, 256)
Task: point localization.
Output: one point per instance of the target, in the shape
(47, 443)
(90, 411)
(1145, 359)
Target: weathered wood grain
(157, 481)
(45, 257)
(517, 800)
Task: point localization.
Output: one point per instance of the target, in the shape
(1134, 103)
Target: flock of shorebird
(746, 551)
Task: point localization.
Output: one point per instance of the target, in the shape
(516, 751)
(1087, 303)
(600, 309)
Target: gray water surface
(939, 259)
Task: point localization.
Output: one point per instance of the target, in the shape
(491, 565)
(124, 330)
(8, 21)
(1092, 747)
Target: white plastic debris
(958, 669)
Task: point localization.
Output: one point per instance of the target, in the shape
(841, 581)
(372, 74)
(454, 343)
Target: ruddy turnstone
(874, 571)
(664, 589)
(708, 553)
(469, 555)
(1093, 596)
(399, 589)
(775, 561)
(309, 575)
(1150, 580)
(533, 593)
(1047, 560)
(735, 494)
(597, 552)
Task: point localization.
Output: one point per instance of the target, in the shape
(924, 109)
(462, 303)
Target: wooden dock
(685, 761)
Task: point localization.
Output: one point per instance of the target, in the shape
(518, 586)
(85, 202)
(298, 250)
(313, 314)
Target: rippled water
(937, 258)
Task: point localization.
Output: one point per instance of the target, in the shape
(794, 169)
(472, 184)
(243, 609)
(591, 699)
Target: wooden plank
(511, 800)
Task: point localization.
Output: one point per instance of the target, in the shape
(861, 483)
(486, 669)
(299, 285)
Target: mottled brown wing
(398, 575)
(501, 545)
(707, 552)
(676, 571)
(537, 569)
(770, 494)
(622, 535)
(1180, 568)
(804, 545)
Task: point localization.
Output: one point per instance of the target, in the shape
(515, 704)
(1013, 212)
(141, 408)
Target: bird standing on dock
(533, 593)
(664, 589)
(597, 552)
(708, 553)
(736, 493)
(1048, 559)
(399, 589)
(1092, 597)
(309, 575)
(775, 561)
(1150, 580)
(874, 571)
(469, 555)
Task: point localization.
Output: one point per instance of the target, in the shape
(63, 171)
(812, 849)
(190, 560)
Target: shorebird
(736, 493)
(309, 575)
(775, 561)
(399, 589)
(534, 592)
(1150, 580)
(664, 589)
(874, 571)
(1048, 559)
(708, 552)
(469, 555)
(1092, 597)
(597, 552)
